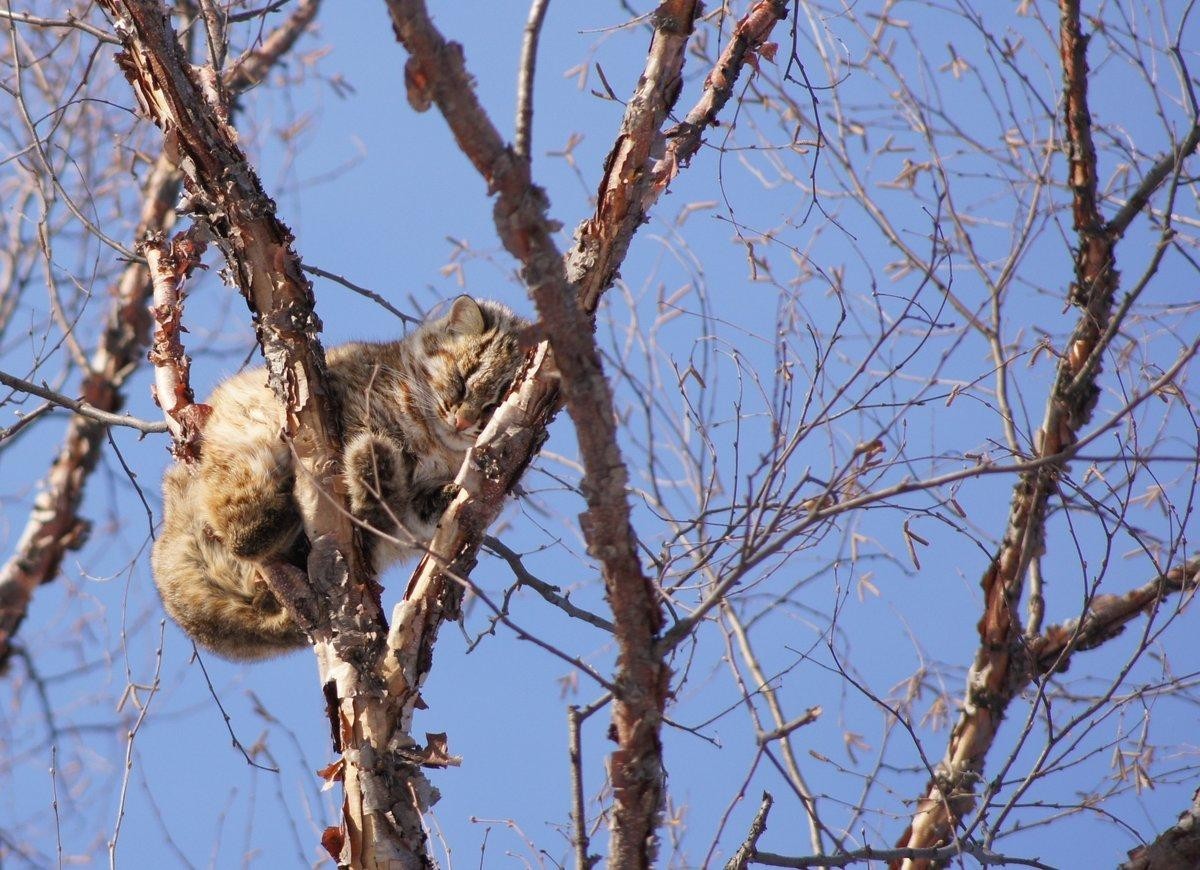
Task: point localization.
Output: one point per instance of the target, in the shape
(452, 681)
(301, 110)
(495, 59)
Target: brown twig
(930, 855)
(523, 141)
(70, 22)
(257, 248)
(253, 66)
(745, 854)
(549, 592)
(361, 291)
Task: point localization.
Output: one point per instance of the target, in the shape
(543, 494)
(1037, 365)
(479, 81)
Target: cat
(410, 410)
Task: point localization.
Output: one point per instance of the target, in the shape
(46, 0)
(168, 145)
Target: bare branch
(745, 854)
(252, 67)
(70, 22)
(983, 855)
(1107, 616)
(80, 407)
(541, 587)
(54, 526)
(523, 141)
(169, 266)
(996, 671)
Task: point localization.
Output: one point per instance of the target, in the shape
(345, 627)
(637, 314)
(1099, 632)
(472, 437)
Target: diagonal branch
(1107, 616)
(379, 824)
(54, 525)
(1001, 665)
(566, 295)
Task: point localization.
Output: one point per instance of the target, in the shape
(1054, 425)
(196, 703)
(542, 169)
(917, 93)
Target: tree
(918, 318)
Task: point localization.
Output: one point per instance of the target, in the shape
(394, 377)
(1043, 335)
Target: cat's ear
(465, 317)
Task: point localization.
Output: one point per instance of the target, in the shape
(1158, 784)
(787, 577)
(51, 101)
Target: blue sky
(381, 195)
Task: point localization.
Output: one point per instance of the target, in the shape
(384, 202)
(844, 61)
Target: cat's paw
(256, 524)
(431, 504)
(376, 479)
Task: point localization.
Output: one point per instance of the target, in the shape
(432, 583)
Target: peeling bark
(227, 196)
(1177, 848)
(54, 526)
(169, 266)
(1002, 666)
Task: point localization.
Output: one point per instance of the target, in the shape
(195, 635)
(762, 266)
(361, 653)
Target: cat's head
(473, 354)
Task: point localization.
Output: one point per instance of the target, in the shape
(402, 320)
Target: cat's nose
(462, 422)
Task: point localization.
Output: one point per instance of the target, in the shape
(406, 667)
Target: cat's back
(384, 387)
(243, 407)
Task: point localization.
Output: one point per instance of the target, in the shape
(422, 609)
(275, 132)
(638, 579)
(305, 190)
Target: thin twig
(361, 291)
(980, 853)
(70, 22)
(541, 587)
(80, 407)
(579, 836)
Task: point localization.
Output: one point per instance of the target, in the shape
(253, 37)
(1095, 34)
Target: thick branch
(169, 265)
(436, 75)
(1176, 848)
(1107, 616)
(54, 526)
(257, 247)
(1000, 667)
(602, 240)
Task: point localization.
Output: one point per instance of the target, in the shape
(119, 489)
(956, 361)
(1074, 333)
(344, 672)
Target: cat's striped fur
(410, 409)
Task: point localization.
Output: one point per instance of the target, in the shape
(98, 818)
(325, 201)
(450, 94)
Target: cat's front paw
(256, 525)
(431, 504)
(376, 472)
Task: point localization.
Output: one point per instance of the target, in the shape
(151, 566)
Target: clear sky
(380, 194)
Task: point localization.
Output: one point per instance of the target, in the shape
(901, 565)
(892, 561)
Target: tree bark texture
(54, 526)
(381, 813)
(1002, 664)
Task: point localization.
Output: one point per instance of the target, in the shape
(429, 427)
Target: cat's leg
(246, 490)
(384, 497)
(378, 472)
(214, 596)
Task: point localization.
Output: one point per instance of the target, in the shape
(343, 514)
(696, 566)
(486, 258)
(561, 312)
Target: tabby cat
(410, 409)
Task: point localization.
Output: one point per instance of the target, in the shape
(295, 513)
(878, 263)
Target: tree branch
(1000, 665)
(1176, 848)
(381, 822)
(1107, 616)
(169, 266)
(436, 74)
(54, 525)
(80, 407)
